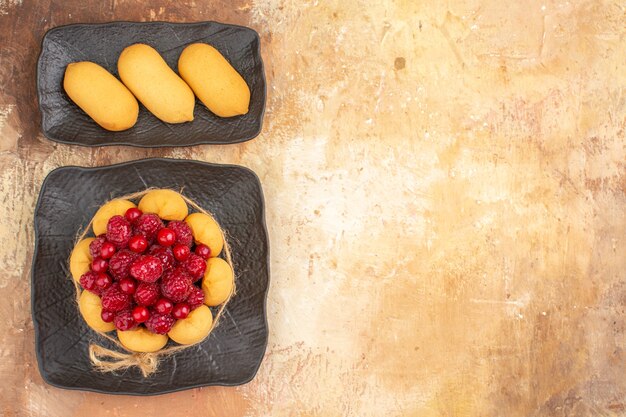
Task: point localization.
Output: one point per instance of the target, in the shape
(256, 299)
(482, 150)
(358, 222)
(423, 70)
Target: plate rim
(39, 70)
(44, 374)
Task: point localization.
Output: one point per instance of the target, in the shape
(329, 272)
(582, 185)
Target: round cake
(152, 271)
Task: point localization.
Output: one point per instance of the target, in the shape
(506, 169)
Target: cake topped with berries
(152, 271)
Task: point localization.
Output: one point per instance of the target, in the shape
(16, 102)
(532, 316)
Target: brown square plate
(63, 121)
(69, 198)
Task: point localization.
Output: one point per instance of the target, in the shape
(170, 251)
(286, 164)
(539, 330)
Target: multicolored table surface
(445, 185)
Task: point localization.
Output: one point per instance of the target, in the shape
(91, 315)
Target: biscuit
(156, 86)
(102, 96)
(216, 83)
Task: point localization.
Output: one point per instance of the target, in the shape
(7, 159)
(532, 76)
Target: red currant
(132, 214)
(181, 311)
(128, 285)
(181, 252)
(107, 316)
(107, 250)
(140, 314)
(99, 265)
(103, 281)
(138, 244)
(203, 251)
(166, 237)
(163, 306)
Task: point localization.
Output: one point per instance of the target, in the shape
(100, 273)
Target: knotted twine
(109, 360)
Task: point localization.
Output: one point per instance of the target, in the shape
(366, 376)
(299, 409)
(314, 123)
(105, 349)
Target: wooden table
(446, 195)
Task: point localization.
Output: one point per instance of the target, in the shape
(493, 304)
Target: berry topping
(99, 265)
(138, 244)
(148, 225)
(119, 264)
(163, 306)
(182, 232)
(147, 294)
(124, 320)
(88, 281)
(132, 214)
(203, 251)
(181, 252)
(140, 314)
(164, 254)
(107, 250)
(118, 231)
(176, 285)
(196, 266)
(128, 286)
(159, 323)
(195, 298)
(147, 268)
(96, 245)
(115, 300)
(107, 316)
(166, 237)
(181, 311)
(103, 281)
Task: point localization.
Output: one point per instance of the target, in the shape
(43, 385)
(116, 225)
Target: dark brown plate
(63, 121)
(69, 198)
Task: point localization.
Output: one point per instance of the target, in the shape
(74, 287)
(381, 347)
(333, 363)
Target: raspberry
(96, 246)
(119, 264)
(88, 282)
(196, 266)
(147, 294)
(147, 268)
(124, 320)
(115, 300)
(182, 232)
(148, 225)
(159, 323)
(164, 254)
(118, 231)
(176, 285)
(195, 298)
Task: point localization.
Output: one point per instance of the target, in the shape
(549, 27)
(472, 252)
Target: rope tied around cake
(146, 362)
(109, 360)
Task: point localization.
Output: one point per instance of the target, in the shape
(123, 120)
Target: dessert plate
(63, 121)
(70, 196)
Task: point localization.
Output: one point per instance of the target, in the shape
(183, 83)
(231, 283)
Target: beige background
(445, 186)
